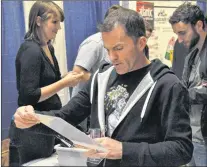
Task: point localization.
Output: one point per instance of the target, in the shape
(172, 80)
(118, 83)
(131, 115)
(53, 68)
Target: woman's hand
(25, 117)
(72, 79)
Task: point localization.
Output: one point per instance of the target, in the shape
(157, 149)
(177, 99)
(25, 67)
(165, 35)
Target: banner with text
(146, 9)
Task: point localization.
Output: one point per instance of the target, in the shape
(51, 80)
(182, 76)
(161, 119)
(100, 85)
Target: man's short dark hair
(111, 9)
(131, 21)
(187, 13)
(148, 27)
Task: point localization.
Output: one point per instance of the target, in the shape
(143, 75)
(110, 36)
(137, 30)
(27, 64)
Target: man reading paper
(141, 106)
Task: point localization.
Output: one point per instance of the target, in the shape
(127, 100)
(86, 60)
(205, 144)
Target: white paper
(70, 132)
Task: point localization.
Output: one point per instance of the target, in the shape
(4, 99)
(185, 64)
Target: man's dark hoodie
(155, 130)
(202, 93)
(194, 80)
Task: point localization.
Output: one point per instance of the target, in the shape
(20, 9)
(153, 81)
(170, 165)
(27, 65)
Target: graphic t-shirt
(119, 89)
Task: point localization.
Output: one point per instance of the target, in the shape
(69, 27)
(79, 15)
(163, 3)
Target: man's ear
(38, 20)
(199, 25)
(141, 43)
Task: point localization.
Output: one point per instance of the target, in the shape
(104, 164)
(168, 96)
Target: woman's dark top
(33, 71)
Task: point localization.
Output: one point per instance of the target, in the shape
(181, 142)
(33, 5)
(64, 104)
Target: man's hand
(25, 117)
(114, 148)
(204, 84)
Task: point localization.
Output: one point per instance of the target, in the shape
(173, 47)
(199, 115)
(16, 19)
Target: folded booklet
(70, 132)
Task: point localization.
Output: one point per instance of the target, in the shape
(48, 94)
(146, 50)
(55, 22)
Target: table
(50, 161)
(67, 156)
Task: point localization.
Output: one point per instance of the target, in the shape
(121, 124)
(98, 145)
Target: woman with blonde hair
(38, 80)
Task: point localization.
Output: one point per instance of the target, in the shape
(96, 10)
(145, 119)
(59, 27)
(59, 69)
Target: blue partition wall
(80, 22)
(13, 30)
(203, 5)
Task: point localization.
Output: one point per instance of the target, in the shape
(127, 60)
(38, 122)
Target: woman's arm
(28, 70)
(71, 79)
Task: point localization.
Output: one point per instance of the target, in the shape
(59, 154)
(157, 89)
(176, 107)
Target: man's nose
(180, 39)
(112, 56)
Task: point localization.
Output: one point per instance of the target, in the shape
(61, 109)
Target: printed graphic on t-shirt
(115, 99)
